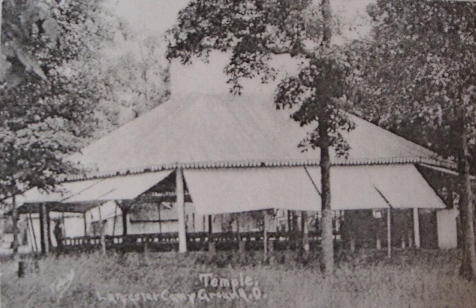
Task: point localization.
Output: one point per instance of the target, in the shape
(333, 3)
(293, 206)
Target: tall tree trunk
(468, 265)
(327, 18)
(48, 228)
(15, 224)
(1, 11)
(327, 260)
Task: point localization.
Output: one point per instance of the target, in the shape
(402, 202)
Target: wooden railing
(198, 241)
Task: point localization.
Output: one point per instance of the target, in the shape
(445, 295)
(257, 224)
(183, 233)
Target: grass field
(409, 279)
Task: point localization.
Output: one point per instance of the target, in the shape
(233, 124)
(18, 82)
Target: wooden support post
(305, 232)
(64, 225)
(289, 220)
(48, 226)
(416, 227)
(41, 221)
(265, 234)
(210, 224)
(238, 223)
(85, 225)
(101, 232)
(33, 233)
(28, 235)
(160, 218)
(211, 243)
(114, 221)
(389, 232)
(180, 193)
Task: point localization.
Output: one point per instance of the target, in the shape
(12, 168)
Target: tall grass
(409, 279)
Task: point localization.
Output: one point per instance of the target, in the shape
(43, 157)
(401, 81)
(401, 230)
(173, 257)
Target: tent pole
(265, 235)
(416, 227)
(48, 225)
(28, 232)
(64, 225)
(179, 192)
(289, 220)
(41, 220)
(389, 232)
(305, 232)
(85, 224)
(238, 223)
(114, 222)
(101, 232)
(160, 220)
(210, 224)
(33, 232)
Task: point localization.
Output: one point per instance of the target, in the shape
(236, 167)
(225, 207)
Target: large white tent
(237, 153)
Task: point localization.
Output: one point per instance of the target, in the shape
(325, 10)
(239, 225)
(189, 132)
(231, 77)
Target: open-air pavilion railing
(197, 241)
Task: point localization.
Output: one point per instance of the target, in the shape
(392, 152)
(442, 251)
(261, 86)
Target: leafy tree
(417, 77)
(255, 30)
(48, 87)
(138, 79)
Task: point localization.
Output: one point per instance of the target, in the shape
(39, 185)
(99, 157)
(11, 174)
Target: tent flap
(118, 188)
(218, 191)
(351, 188)
(125, 187)
(370, 187)
(404, 187)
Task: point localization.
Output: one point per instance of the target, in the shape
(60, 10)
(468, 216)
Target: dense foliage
(417, 70)
(417, 77)
(48, 87)
(136, 73)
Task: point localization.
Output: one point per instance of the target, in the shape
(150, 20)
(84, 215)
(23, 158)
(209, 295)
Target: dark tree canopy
(418, 71)
(48, 87)
(417, 77)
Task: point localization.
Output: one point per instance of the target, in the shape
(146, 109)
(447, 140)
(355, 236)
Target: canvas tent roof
(202, 125)
(224, 131)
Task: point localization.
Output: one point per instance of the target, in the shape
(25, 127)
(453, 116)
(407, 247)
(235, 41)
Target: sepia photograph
(238, 153)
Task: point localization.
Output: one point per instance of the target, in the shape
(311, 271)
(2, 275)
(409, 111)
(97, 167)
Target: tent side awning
(125, 187)
(404, 186)
(219, 191)
(351, 188)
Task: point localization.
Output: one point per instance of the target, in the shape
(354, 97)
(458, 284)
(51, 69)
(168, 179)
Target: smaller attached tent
(72, 225)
